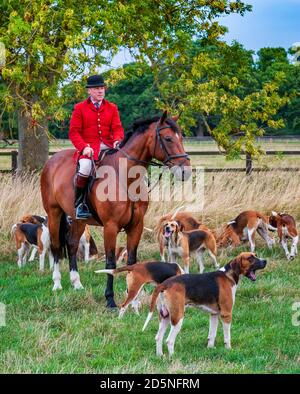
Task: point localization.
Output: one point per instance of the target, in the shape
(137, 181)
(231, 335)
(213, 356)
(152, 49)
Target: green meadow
(71, 331)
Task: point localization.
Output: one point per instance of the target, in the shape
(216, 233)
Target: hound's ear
(236, 265)
(180, 225)
(175, 118)
(163, 118)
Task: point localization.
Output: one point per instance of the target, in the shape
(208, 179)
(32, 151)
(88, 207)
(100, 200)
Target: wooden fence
(248, 165)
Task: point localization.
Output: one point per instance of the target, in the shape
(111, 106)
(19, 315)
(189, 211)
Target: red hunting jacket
(90, 127)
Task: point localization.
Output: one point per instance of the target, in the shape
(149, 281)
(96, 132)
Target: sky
(271, 23)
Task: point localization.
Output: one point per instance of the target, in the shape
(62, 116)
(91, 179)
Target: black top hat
(94, 81)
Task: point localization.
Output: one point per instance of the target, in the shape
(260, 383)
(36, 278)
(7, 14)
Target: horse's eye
(169, 139)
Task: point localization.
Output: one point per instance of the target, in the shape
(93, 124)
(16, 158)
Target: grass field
(71, 331)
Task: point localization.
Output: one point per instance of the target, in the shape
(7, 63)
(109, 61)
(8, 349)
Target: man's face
(97, 94)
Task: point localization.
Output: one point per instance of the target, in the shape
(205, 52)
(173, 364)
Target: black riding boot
(82, 210)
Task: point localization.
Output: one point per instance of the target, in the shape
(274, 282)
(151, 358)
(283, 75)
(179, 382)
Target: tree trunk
(33, 143)
(200, 129)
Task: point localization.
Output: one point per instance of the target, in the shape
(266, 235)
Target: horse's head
(167, 147)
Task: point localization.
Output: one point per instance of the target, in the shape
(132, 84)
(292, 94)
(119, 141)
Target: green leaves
(51, 46)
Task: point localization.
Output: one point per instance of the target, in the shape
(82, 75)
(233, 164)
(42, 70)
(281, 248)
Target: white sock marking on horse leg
(56, 276)
(75, 280)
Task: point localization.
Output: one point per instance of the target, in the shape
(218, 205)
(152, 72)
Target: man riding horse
(95, 126)
(158, 138)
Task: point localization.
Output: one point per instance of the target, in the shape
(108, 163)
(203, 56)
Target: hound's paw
(210, 345)
(78, 286)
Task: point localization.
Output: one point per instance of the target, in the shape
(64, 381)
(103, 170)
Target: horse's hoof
(111, 306)
(113, 309)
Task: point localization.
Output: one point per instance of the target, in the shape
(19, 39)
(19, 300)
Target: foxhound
(285, 226)
(184, 243)
(185, 220)
(138, 275)
(37, 235)
(243, 228)
(213, 292)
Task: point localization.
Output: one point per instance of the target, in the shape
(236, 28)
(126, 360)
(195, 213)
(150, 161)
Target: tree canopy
(181, 64)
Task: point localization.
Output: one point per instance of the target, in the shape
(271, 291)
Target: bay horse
(158, 138)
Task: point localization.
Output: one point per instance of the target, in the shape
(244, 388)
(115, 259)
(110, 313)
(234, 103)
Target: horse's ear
(163, 118)
(175, 118)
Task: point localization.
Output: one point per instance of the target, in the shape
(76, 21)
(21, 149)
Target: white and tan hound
(138, 275)
(37, 235)
(243, 228)
(186, 221)
(285, 225)
(184, 243)
(213, 292)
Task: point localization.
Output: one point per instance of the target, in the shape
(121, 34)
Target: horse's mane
(141, 125)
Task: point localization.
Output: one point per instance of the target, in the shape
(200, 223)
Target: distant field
(211, 161)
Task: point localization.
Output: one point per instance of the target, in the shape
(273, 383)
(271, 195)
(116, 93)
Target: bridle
(169, 158)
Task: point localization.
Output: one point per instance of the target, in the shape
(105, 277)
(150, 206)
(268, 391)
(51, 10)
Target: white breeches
(85, 166)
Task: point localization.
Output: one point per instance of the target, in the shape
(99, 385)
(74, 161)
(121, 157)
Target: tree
(271, 62)
(49, 43)
(219, 81)
(135, 94)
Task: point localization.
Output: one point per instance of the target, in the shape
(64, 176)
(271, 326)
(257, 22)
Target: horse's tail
(63, 236)
(116, 271)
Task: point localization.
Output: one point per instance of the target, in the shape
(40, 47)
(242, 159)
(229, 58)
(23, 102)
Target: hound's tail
(176, 211)
(13, 229)
(155, 294)
(116, 271)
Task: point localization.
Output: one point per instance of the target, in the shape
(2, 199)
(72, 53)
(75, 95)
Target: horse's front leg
(134, 233)
(110, 238)
(76, 231)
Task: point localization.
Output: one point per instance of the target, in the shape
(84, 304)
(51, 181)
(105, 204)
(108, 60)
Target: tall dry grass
(225, 196)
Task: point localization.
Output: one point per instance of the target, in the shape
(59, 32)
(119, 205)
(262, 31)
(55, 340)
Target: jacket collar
(91, 105)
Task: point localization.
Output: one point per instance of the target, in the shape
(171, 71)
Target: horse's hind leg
(75, 233)
(110, 239)
(134, 233)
